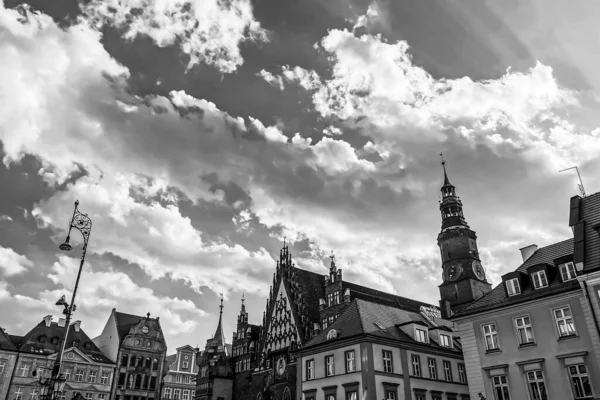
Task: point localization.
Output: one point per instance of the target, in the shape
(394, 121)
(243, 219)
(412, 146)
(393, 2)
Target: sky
(198, 134)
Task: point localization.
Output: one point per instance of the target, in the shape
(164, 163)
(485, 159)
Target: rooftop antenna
(581, 189)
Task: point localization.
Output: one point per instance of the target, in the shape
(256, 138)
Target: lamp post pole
(83, 224)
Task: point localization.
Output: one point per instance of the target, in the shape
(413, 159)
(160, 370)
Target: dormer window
(421, 335)
(445, 340)
(567, 271)
(332, 334)
(512, 286)
(539, 279)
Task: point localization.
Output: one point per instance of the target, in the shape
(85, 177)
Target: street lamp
(50, 386)
(83, 224)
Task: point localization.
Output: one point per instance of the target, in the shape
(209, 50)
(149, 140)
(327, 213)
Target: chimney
(61, 322)
(76, 325)
(48, 320)
(528, 251)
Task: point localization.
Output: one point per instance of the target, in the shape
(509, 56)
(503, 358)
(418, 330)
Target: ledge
(532, 361)
(561, 338)
(492, 351)
(575, 354)
(525, 345)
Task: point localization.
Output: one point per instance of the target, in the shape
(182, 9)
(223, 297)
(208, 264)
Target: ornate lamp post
(50, 386)
(83, 224)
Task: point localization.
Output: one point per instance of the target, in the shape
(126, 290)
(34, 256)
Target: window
(333, 298)
(389, 395)
(178, 378)
(329, 366)
(420, 335)
(352, 395)
(89, 396)
(310, 369)
(462, 374)
(92, 377)
(34, 394)
(387, 361)
(19, 394)
(580, 381)
(167, 393)
(564, 321)
(500, 387)
(79, 375)
(491, 337)
(68, 373)
(186, 395)
(420, 397)
(101, 396)
(193, 394)
(2, 365)
(537, 387)
(445, 340)
(350, 361)
(512, 286)
(324, 323)
(567, 271)
(186, 364)
(176, 394)
(186, 379)
(431, 364)
(104, 378)
(24, 369)
(524, 330)
(539, 279)
(447, 370)
(330, 397)
(416, 365)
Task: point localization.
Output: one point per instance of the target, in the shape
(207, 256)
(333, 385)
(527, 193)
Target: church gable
(282, 331)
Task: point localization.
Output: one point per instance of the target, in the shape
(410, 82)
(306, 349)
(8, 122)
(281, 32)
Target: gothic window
(286, 394)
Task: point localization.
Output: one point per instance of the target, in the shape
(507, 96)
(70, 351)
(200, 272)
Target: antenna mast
(581, 189)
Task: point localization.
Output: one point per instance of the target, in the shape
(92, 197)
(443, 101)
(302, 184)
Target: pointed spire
(218, 338)
(243, 305)
(332, 265)
(450, 205)
(446, 180)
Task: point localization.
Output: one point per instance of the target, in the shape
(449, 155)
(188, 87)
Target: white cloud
(209, 31)
(271, 79)
(367, 18)
(13, 263)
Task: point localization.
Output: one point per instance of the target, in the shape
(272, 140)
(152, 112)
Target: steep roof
(5, 342)
(125, 322)
(544, 255)
(43, 339)
(377, 296)
(170, 361)
(378, 320)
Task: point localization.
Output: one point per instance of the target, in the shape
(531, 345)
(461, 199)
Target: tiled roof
(590, 212)
(376, 296)
(5, 341)
(170, 361)
(125, 322)
(368, 318)
(498, 298)
(45, 340)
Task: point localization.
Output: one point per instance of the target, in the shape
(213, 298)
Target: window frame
(565, 267)
(417, 358)
(425, 335)
(491, 334)
(537, 276)
(535, 382)
(310, 369)
(448, 338)
(447, 372)
(327, 358)
(387, 363)
(563, 319)
(578, 376)
(435, 374)
(524, 327)
(513, 287)
(352, 360)
(500, 385)
(462, 373)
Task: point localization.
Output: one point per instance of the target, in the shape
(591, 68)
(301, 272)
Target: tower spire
(450, 206)
(446, 180)
(219, 337)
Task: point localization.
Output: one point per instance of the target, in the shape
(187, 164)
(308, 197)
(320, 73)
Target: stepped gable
(498, 298)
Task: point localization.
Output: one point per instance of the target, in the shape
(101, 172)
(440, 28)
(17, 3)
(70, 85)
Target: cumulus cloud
(271, 79)
(13, 263)
(208, 31)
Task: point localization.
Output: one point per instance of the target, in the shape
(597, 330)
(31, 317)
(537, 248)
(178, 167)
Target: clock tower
(464, 279)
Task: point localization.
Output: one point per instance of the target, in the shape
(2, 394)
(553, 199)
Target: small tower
(333, 304)
(464, 279)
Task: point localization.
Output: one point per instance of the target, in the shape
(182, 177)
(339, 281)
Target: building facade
(244, 354)
(138, 348)
(535, 335)
(88, 372)
(376, 351)
(8, 361)
(179, 381)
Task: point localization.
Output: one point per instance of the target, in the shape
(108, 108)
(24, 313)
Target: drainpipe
(587, 294)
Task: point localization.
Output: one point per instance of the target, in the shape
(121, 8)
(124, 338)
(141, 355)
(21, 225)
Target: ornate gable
(282, 328)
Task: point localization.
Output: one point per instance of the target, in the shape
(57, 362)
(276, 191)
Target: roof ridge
(359, 308)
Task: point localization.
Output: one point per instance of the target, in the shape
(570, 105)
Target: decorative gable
(283, 329)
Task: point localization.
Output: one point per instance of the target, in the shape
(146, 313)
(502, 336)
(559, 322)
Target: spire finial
(446, 180)
(243, 299)
(221, 306)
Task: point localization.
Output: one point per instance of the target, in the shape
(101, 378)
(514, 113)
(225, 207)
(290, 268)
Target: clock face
(453, 271)
(280, 368)
(145, 329)
(478, 270)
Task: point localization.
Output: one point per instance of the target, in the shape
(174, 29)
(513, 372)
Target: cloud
(273, 80)
(12, 263)
(208, 31)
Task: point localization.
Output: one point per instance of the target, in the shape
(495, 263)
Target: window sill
(530, 344)
(567, 337)
(492, 351)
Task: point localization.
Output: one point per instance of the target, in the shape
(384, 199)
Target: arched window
(286, 394)
(155, 365)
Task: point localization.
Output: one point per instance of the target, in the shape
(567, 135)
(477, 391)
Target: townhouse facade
(137, 346)
(536, 335)
(87, 371)
(179, 382)
(8, 361)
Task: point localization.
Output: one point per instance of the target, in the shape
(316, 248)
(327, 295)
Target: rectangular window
(416, 365)
(420, 335)
(104, 378)
(79, 375)
(580, 381)
(89, 396)
(445, 340)
(336, 297)
(329, 366)
(352, 395)
(178, 378)
(324, 323)
(19, 394)
(350, 361)
(92, 377)
(420, 397)
(186, 364)
(310, 369)
(539, 279)
(389, 395)
(176, 394)
(330, 300)
(68, 373)
(524, 330)
(447, 371)
(462, 373)
(432, 365)
(330, 397)
(34, 394)
(186, 395)
(564, 321)
(500, 387)
(491, 336)
(568, 271)
(167, 393)
(387, 361)
(537, 386)
(24, 369)
(512, 286)
(101, 396)
(186, 379)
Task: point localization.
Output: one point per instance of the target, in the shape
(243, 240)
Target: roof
(375, 319)
(125, 322)
(544, 255)
(46, 340)
(5, 341)
(368, 294)
(170, 360)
